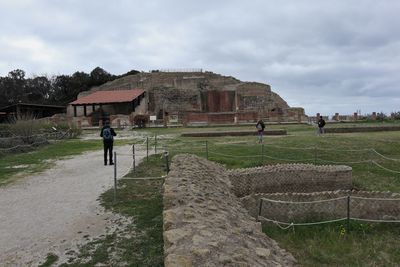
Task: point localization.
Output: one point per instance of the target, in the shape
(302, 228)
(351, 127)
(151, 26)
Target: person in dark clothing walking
(108, 134)
(321, 124)
(260, 130)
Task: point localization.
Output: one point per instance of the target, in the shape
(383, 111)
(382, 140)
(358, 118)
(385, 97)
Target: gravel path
(56, 210)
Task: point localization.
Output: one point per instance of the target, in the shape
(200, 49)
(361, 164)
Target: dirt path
(58, 209)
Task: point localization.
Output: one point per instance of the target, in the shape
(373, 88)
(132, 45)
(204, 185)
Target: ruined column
(373, 117)
(355, 116)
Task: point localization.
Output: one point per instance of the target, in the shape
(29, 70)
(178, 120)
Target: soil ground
(55, 211)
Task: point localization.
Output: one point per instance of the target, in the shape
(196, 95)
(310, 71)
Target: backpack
(107, 134)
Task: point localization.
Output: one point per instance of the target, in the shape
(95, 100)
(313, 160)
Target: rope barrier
(344, 162)
(303, 202)
(372, 198)
(300, 224)
(386, 169)
(372, 220)
(379, 154)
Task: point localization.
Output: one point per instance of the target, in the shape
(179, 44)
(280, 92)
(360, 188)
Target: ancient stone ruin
(193, 98)
(206, 225)
(210, 212)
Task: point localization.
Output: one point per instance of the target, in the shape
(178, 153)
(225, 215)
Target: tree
(99, 76)
(38, 89)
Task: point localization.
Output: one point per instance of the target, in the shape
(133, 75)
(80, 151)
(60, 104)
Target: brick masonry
(363, 205)
(290, 178)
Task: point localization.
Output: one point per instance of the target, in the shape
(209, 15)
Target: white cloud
(328, 57)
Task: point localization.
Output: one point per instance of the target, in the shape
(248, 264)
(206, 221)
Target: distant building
(36, 111)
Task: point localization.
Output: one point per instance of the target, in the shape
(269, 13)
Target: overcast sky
(326, 56)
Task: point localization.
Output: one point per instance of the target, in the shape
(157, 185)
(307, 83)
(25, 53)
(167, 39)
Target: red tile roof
(109, 97)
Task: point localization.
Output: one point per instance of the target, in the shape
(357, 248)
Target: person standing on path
(321, 124)
(108, 134)
(260, 130)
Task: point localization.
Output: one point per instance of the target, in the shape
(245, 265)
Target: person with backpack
(321, 124)
(260, 130)
(108, 134)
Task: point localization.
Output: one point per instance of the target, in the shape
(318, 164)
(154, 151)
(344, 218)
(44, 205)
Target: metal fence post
(259, 209)
(115, 177)
(147, 150)
(348, 214)
(134, 158)
(206, 149)
(155, 143)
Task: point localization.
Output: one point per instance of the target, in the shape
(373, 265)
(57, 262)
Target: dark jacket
(260, 123)
(321, 123)
(112, 134)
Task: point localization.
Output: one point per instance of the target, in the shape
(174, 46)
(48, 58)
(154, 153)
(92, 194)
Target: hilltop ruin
(191, 98)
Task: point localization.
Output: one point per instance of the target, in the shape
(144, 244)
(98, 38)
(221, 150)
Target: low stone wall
(363, 205)
(205, 223)
(233, 133)
(290, 178)
(361, 129)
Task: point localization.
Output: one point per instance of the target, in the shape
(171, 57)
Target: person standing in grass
(108, 134)
(321, 125)
(260, 130)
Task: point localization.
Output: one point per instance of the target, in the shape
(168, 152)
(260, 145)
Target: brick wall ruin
(362, 204)
(290, 178)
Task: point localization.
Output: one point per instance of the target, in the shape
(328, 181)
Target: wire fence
(288, 213)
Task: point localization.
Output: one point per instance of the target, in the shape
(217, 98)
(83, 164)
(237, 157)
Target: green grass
(42, 158)
(142, 242)
(50, 260)
(331, 245)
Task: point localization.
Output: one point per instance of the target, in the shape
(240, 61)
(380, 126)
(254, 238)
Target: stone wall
(363, 205)
(290, 178)
(205, 223)
(207, 92)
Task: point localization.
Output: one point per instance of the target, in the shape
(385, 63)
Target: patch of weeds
(50, 259)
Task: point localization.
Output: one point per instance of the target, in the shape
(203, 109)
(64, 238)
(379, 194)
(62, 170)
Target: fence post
(134, 158)
(206, 149)
(147, 150)
(115, 177)
(348, 214)
(166, 156)
(259, 209)
(155, 143)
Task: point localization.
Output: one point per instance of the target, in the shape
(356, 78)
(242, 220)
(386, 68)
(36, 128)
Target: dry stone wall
(205, 223)
(290, 178)
(363, 205)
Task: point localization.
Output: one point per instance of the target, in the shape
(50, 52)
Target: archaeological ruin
(186, 98)
(212, 215)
